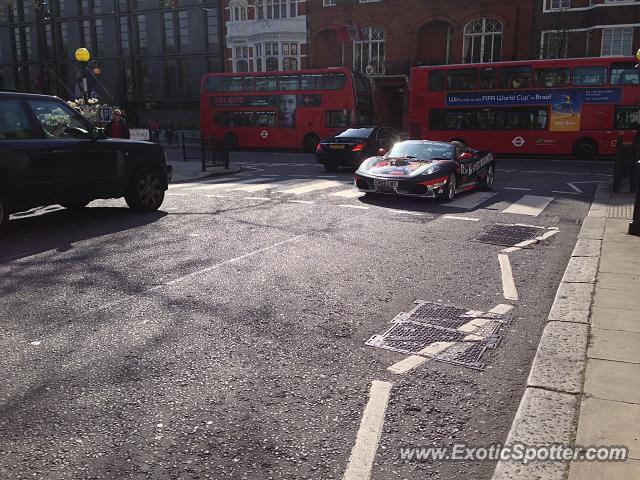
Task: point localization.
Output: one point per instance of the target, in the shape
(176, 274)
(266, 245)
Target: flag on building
(349, 33)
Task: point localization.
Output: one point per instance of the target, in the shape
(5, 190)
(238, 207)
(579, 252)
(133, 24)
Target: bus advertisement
(564, 106)
(291, 110)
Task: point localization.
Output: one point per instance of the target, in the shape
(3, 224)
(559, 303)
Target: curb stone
(549, 409)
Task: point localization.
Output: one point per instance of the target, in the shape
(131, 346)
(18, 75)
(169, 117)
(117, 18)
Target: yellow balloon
(82, 55)
(638, 55)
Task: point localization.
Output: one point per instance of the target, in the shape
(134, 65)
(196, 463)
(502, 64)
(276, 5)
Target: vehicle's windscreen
(423, 151)
(356, 133)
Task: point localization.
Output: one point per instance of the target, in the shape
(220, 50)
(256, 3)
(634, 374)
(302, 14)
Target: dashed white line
(454, 217)
(508, 285)
(257, 198)
(501, 309)
(364, 451)
(518, 188)
(307, 202)
(313, 186)
(531, 205)
(414, 361)
(565, 193)
(211, 195)
(360, 207)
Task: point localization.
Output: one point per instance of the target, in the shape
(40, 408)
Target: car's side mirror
(97, 133)
(466, 156)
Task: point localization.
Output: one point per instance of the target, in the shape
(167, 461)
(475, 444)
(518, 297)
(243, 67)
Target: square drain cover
(509, 235)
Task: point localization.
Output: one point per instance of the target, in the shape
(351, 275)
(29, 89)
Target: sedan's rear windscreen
(356, 133)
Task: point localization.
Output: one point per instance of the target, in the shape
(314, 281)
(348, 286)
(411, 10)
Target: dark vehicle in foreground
(351, 147)
(50, 154)
(423, 168)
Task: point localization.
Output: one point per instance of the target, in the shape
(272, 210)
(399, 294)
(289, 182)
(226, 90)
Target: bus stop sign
(104, 114)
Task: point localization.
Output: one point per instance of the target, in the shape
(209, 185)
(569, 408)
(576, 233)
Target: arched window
(238, 10)
(242, 66)
(289, 63)
(272, 64)
(482, 41)
(369, 52)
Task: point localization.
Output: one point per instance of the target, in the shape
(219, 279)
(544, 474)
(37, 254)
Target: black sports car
(352, 146)
(423, 168)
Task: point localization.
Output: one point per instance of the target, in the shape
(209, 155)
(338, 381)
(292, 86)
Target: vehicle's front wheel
(449, 192)
(487, 182)
(145, 192)
(4, 213)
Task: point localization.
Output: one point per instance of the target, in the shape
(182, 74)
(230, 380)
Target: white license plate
(337, 146)
(386, 183)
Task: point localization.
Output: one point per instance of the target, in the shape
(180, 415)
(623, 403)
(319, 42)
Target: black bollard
(634, 225)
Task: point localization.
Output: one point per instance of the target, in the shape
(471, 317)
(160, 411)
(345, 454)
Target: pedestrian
(154, 131)
(168, 134)
(117, 127)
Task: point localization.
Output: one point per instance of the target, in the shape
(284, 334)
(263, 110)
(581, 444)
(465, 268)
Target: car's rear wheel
(4, 213)
(449, 192)
(145, 192)
(585, 149)
(486, 183)
(331, 167)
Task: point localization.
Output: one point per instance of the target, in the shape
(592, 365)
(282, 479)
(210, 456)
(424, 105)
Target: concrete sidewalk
(192, 169)
(584, 385)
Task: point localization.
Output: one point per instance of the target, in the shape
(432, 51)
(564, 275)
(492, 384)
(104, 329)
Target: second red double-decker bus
(287, 109)
(564, 106)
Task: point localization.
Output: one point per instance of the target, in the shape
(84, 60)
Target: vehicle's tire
(450, 190)
(585, 149)
(460, 140)
(487, 182)
(4, 213)
(331, 167)
(310, 143)
(74, 205)
(231, 140)
(145, 192)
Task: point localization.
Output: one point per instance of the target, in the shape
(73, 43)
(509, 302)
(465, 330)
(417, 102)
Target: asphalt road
(224, 336)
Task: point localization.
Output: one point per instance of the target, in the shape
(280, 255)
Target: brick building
(585, 28)
(265, 35)
(391, 36)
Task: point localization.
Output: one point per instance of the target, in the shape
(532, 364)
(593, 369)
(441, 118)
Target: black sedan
(423, 168)
(351, 147)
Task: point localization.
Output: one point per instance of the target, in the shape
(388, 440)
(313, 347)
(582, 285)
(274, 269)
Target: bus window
(311, 82)
(627, 118)
(213, 85)
(248, 84)
(334, 81)
(265, 119)
(436, 80)
(624, 73)
(462, 79)
(515, 77)
(488, 78)
(289, 82)
(551, 77)
(265, 83)
(588, 76)
(337, 118)
(232, 84)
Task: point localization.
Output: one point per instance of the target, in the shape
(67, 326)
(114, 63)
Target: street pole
(83, 56)
(634, 225)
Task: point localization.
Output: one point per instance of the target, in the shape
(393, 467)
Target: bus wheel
(460, 140)
(310, 143)
(585, 149)
(232, 141)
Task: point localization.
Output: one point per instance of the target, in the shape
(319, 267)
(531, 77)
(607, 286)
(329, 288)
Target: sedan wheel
(487, 182)
(450, 190)
(146, 190)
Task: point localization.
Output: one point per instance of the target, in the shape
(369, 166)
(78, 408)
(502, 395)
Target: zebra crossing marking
(531, 205)
(312, 187)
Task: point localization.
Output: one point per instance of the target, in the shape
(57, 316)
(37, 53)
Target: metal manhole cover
(467, 354)
(509, 235)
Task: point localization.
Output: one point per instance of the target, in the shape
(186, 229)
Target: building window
(271, 64)
(22, 44)
(275, 9)
(560, 4)
(63, 39)
(141, 27)
(369, 54)
(24, 75)
(211, 19)
(48, 35)
(125, 44)
(616, 41)
(92, 35)
(242, 66)
(178, 78)
(289, 63)
(175, 21)
(183, 28)
(238, 10)
(16, 11)
(555, 45)
(328, 3)
(169, 33)
(145, 87)
(482, 41)
(89, 7)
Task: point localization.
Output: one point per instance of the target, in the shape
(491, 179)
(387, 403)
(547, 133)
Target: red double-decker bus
(286, 109)
(564, 106)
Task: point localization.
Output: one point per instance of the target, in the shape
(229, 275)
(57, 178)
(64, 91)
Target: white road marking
(405, 212)
(517, 188)
(547, 234)
(215, 196)
(508, 285)
(519, 246)
(364, 451)
(455, 217)
(193, 184)
(531, 205)
(566, 193)
(326, 176)
(230, 185)
(313, 186)
(257, 198)
(351, 193)
(413, 361)
(501, 309)
(510, 249)
(35, 343)
(176, 194)
(471, 200)
(360, 207)
(307, 202)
